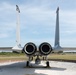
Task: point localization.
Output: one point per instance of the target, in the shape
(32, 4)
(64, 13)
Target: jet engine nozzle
(45, 48)
(30, 48)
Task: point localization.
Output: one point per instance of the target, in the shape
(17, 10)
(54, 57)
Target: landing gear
(27, 64)
(30, 58)
(44, 58)
(47, 64)
(37, 60)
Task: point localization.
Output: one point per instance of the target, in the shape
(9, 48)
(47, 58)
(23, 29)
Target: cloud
(37, 21)
(68, 42)
(38, 41)
(5, 35)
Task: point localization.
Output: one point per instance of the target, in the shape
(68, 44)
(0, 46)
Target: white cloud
(5, 35)
(38, 41)
(68, 42)
(36, 20)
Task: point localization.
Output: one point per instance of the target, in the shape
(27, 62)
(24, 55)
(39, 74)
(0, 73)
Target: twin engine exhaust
(44, 48)
(30, 48)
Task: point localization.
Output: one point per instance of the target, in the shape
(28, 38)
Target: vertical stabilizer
(57, 40)
(18, 26)
(18, 44)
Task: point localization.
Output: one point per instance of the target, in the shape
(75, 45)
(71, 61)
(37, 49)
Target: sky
(37, 22)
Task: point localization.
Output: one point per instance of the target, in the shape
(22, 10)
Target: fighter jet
(43, 50)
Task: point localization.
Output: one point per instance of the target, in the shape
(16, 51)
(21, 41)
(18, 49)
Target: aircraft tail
(57, 39)
(18, 43)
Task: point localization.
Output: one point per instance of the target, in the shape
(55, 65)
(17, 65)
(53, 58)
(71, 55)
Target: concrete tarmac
(56, 68)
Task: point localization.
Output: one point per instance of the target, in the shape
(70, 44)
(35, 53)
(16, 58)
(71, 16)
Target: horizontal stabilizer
(17, 47)
(57, 48)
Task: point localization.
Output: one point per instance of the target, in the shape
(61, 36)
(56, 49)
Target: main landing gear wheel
(47, 64)
(27, 64)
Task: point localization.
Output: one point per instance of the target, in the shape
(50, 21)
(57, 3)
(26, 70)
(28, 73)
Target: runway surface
(57, 68)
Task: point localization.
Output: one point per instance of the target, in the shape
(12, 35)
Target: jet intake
(45, 48)
(30, 48)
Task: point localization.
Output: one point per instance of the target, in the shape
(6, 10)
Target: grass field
(63, 57)
(12, 56)
(21, 56)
